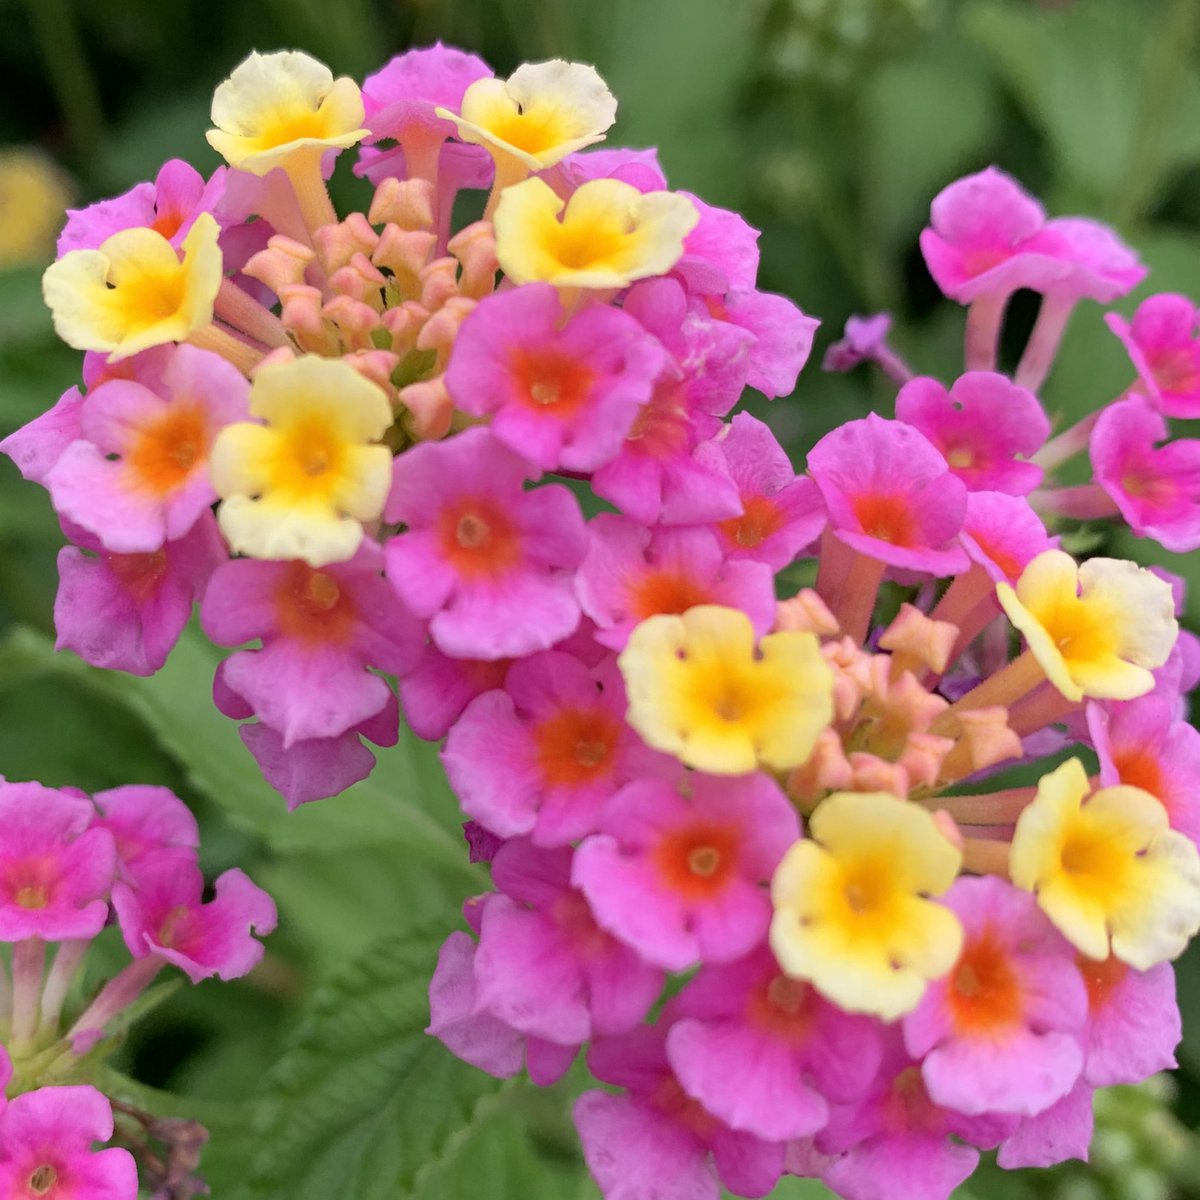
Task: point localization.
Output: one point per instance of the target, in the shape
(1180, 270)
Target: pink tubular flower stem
(1066, 445)
(984, 318)
(67, 961)
(118, 993)
(28, 961)
(1044, 341)
(1086, 502)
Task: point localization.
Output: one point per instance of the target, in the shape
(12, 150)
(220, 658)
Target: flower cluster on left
(69, 865)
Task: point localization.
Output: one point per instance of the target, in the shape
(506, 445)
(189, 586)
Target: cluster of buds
(70, 864)
(341, 438)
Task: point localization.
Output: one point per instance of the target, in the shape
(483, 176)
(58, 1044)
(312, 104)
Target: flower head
(301, 484)
(851, 908)
(134, 292)
(699, 689)
(275, 105)
(1107, 869)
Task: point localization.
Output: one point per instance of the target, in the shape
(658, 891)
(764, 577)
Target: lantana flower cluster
(747, 847)
(70, 864)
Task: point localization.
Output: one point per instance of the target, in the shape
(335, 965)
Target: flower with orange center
(605, 236)
(851, 908)
(134, 292)
(1096, 628)
(543, 754)
(301, 484)
(678, 875)
(1107, 869)
(138, 477)
(1001, 1031)
(700, 689)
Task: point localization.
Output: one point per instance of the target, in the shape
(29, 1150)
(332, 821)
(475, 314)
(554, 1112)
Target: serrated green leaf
(364, 1103)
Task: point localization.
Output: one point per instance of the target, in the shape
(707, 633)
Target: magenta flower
(638, 168)
(544, 755)
(899, 1134)
(543, 965)
(139, 475)
(478, 1037)
(55, 871)
(165, 917)
(1000, 1033)
(1156, 488)
(985, 428)
(632, 573)
(783, 338)
(437, 690)
(1141, 743)
(322, 629)
(781, 513)
(37, 446)
(682, 879)
(655, 1141)
(559, 394)
(1002, 535)
(720, 254)
(125, 612)
(1163, 344)
(1063, 1131)
(143, 820)
(763, 1052)
(46, 1139)
(890, 495)
(490, 563)
(169, 206)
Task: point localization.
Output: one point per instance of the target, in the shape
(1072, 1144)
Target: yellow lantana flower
(698, 689)
(851, 913)
(274, 105)
(1096, 628)
(539, 115)
(610, 233)
(1108, 868)
(300, 485)
(134, 293)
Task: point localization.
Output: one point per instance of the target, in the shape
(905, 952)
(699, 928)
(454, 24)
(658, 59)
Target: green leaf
(23, 316)
(364, 1103)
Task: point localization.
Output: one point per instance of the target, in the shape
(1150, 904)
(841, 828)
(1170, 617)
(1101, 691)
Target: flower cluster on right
(752, 851)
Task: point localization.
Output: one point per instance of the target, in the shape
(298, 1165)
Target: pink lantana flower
(658, 476)
(1162, 341)
(890, 495)
(489, 563)
(899, 1134)
(399, 102)
(764, 1053)
(1001, 1032)
(781, 513)
(55, 871)
(1002, 535)
(169, 206)
(46, 1139)
(164, 916)
(437, 690)
(322, 629)
(638, 168)
(37, 446)
(975, 244)
(1062, 1131)
(632, 573)
(683, 879)
(559, 395)
(144, 819)
(125, 612)
(1156, 488)
(544, 755)
(984, 426)
(654, 1140)
(1143, 744)
(470, 1032)
(543, 965)
(139, 476)
(1133, 1024)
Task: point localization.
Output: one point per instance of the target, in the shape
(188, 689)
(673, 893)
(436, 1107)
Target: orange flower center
(1102, 978)
(887, 518)
(575, 746)
(138, 574)
(551, 381)
(1175, 371)
(313, 608)
(984, 993)
(698, 861)
(784, 1008)
(760, 519)
(168, 449)
(667, 592)
(479, 540)
(1007, 562)
(1138, 767)
(661, 427)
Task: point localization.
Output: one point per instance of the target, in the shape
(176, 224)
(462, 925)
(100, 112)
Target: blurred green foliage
(830, 124)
